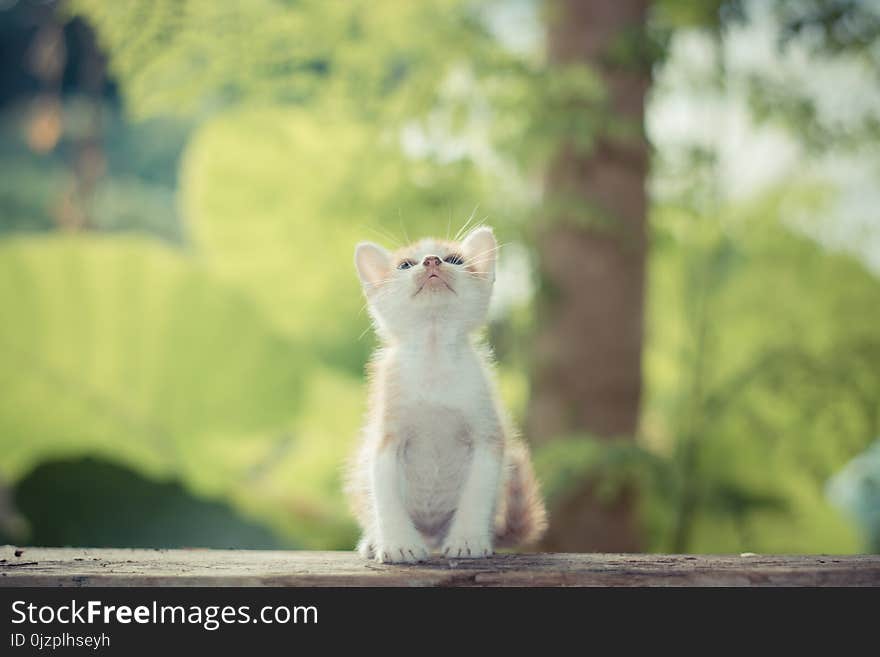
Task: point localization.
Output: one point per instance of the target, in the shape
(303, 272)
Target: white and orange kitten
(439, 467)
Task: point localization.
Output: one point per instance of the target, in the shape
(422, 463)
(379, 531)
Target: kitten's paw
(467, 547)
(365, 548)
(401, 552)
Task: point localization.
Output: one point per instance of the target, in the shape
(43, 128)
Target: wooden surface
(118, 567)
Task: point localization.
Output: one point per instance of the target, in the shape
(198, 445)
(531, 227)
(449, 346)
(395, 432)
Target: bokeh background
(687, 314)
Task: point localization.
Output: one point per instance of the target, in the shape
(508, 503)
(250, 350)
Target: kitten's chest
(434, 453)
(440, 406)
(437, 412)
(437, 383)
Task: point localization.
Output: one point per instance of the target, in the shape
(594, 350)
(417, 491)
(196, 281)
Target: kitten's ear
(373, 264)
(479, 251)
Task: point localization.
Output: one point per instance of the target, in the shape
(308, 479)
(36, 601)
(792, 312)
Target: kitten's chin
(433, 285)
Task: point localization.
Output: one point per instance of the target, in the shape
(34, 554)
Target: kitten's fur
(439, 467)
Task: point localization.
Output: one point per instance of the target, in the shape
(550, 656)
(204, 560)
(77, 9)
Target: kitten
(438, 468)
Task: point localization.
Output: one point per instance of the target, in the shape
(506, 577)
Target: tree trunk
(587, 355)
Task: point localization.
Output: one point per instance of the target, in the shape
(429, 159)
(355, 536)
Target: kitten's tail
(522, 519)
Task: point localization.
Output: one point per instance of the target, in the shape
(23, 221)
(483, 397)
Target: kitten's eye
(406, 264)
(454, 259)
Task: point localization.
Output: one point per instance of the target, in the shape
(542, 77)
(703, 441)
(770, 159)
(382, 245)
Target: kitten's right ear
(373, 264)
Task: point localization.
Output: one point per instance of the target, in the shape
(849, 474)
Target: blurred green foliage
(762, 380)
(210, 329)
(761, 374)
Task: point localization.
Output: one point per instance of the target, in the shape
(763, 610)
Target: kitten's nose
(431, 261)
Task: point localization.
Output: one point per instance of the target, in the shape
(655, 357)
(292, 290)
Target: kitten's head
(429, 281)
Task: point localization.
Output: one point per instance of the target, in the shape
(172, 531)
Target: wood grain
(123, 567)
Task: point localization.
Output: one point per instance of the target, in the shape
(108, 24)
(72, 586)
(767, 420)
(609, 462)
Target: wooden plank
(122, 567)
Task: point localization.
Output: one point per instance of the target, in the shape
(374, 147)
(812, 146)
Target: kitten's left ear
(479, 250)
(373, 264)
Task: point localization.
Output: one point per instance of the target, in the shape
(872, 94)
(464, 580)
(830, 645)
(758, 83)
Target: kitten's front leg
(397, 539)
(471, 533)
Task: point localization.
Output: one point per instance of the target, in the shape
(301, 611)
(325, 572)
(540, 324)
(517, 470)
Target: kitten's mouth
(434, 281)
